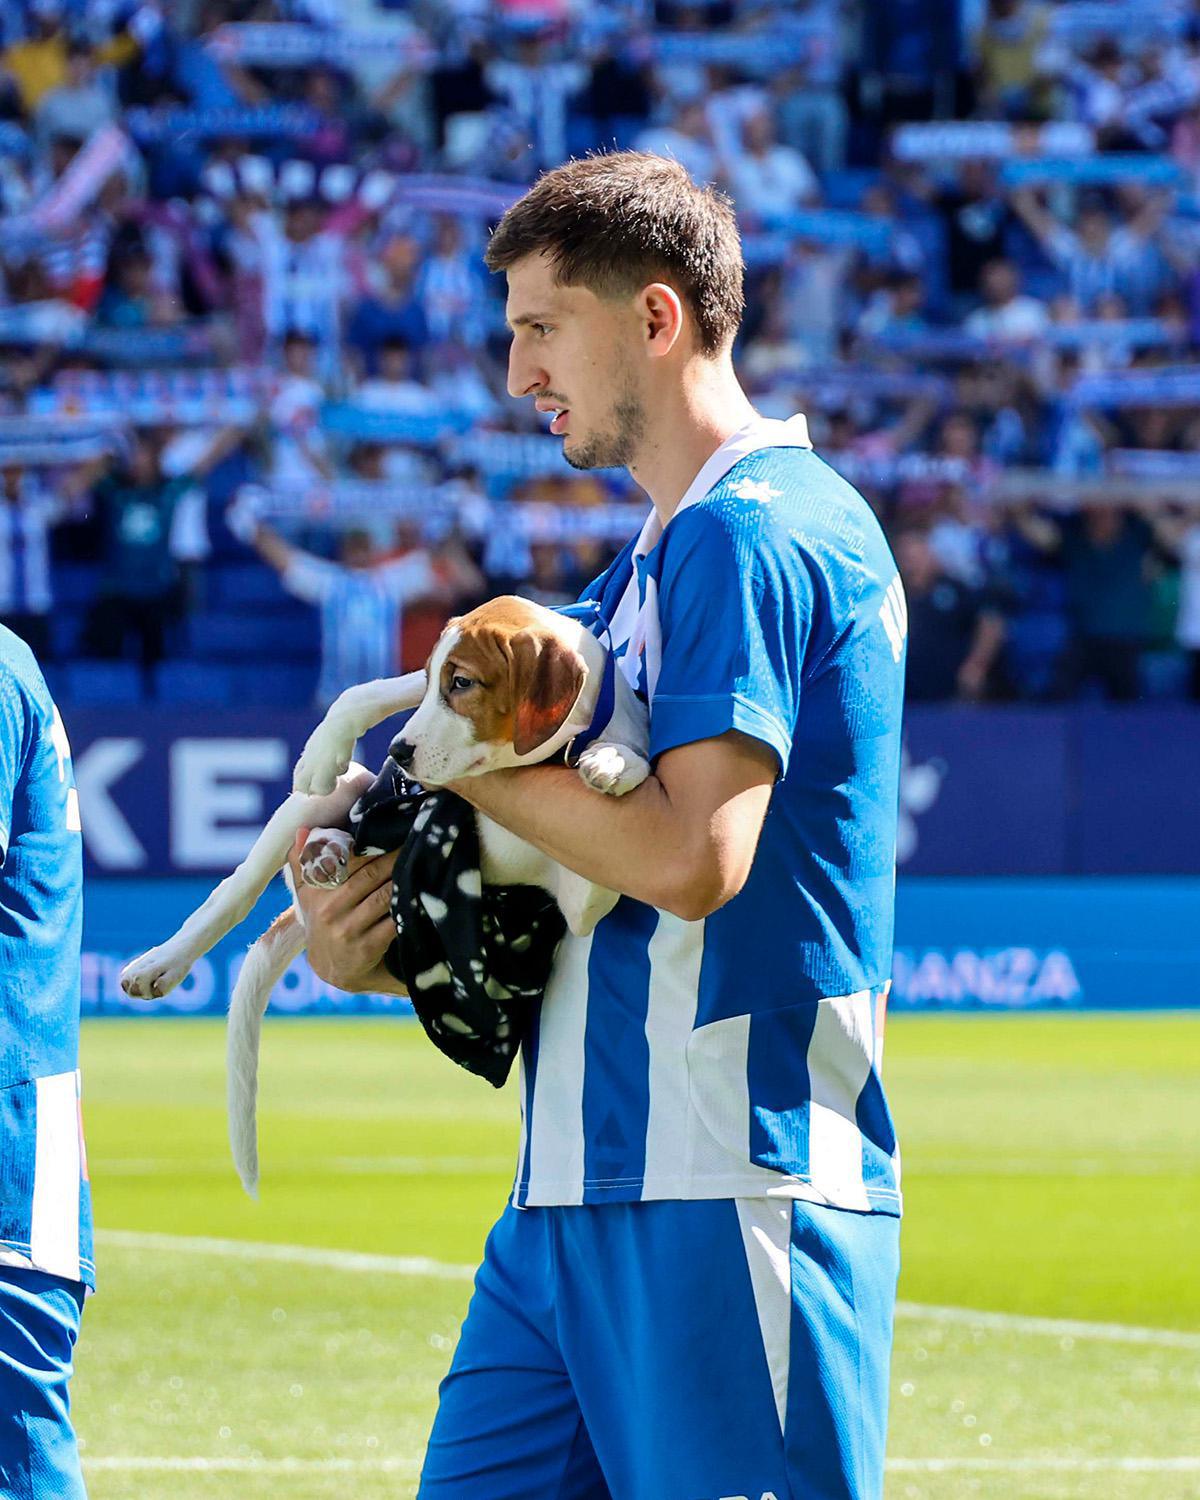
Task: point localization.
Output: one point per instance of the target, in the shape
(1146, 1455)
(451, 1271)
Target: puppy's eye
(459, 683)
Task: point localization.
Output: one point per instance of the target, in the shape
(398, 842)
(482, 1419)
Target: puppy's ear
(546, 681)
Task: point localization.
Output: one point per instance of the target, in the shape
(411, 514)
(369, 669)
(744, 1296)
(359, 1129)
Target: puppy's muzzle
(402, 752)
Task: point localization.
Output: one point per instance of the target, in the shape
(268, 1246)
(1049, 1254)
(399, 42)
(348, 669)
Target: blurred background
(255, 442)
(255, 445)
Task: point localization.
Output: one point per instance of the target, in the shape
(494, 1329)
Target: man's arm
(990, 632)
(683, 841)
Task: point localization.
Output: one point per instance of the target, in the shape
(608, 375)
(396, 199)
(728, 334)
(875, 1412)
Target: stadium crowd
(252, 368)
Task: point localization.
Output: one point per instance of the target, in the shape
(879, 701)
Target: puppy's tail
(264, 967)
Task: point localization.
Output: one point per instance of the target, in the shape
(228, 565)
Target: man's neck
(686, 430)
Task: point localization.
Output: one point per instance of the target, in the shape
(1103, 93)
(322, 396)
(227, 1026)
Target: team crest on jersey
(754, 489)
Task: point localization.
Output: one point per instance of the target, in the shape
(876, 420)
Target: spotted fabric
(474, 959)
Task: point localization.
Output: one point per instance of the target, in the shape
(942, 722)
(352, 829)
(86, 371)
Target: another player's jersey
(740, 1055)
(45, 1206)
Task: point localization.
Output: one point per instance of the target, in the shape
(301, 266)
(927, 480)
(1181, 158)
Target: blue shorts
(672, 1351)
(39, 1323)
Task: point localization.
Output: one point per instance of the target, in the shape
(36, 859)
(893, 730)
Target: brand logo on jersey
(62, 751)
(893, 613)
(754, 489)
(766, 1495)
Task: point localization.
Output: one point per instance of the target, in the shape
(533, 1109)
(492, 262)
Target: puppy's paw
(613, 769)
(156, 973)
(323, 859)
(325, 757)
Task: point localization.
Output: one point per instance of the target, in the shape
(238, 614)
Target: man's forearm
(635, 844)
(683, 841)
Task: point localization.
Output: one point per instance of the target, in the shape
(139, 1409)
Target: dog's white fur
(326, 784)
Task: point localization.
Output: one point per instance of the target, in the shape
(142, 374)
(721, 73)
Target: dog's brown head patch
(526, 679)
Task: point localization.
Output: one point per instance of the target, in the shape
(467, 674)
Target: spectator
(130, 300)
(1012, 82)
(1188, 627)
(360, 597)
(80, 105)
(687, 137)
(299, 453)
(27, 512)
(767, 180)
(955, 633)
(302, 269)
(536, 86)
(137, 502)
(450, 287)
(391, 307)
(394, 389)
(894, 308)
(1107, 555)
(976, 217)
(1007, 315)
(39, 63)
(1100, 257)
(811, 111)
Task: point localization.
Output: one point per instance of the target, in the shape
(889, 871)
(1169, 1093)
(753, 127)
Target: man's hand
(350, 927)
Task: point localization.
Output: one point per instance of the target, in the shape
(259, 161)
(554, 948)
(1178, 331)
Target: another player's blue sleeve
(735, 608)
(13, 738)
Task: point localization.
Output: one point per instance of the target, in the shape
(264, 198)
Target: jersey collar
(761, 432)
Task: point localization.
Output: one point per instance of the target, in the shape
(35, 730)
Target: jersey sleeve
(735, 609)
(13, 741)
(309, 578)
(409, 577)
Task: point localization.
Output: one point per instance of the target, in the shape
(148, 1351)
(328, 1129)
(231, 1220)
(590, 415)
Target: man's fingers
(370, 909)
(378, 939)
(367, 874)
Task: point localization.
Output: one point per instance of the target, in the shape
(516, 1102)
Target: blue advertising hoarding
(1046, 857)
(1018, 944)
(984, 792)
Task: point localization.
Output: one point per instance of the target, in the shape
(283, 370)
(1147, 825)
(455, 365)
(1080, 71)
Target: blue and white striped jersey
(361, 610)
(45, 1204)
(740, 1055)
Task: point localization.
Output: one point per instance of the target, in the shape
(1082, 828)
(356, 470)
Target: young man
(45, 1212)
(691, 1295)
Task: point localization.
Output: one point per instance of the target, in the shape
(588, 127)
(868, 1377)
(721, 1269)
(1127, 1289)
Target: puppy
(510, 684)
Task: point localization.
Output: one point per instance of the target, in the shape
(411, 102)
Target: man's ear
(547, 677)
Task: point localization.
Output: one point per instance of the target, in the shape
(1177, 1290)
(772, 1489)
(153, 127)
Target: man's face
(577, 354)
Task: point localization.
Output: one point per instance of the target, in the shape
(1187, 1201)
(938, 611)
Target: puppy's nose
(402, 752)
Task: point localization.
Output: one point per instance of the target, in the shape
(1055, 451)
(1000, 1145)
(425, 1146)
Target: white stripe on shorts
(54, 1224)
(766, 1225)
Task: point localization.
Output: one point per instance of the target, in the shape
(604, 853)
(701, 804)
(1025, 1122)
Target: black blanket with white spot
(475, 959)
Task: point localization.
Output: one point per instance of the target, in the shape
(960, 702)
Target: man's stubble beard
(616, 448)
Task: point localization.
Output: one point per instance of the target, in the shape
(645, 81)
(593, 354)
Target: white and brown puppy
(509, 684)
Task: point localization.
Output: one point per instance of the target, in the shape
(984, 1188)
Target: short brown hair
(615, 222)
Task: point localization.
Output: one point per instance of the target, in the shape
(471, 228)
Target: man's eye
(541, 329)
(459, 683)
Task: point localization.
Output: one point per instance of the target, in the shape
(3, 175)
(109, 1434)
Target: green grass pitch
(1051, 1180)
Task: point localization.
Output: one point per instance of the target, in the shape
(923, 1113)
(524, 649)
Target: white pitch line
(134, 1463)
(300, 1255)
(385, 1166)
(420, 1265)
(1051, 1463)
(1115, 1333)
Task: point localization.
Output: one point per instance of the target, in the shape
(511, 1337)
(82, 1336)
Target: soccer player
(45, 1209)
(691, 1293)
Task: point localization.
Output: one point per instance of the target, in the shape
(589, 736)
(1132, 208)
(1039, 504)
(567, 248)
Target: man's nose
(524, 377)
(402, 752)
